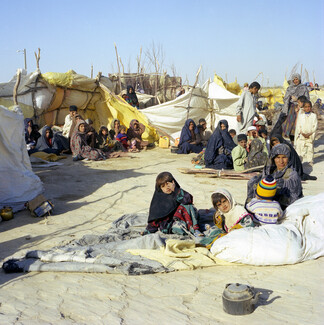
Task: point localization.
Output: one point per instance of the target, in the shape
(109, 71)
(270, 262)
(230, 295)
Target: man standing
(68, 121)
(246, 107)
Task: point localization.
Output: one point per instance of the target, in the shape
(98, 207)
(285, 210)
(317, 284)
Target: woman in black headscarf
(131, 97)
(190, 140)
(279, 166)
(295, 160)
(49, 142)
(219, 148)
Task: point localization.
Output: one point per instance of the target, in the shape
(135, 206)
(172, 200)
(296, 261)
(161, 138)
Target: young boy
(232, 133)
(246, 107)
(239, 153)
(263, 207)
(305, 134)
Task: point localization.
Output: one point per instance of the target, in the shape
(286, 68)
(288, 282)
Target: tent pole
(119, 79)
(15, 100)
(194, 86)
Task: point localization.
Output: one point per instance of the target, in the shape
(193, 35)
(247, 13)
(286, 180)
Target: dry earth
(88, 196)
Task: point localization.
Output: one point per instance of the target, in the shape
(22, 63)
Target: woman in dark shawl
(286, 123)
(171, 209)
(219, 148)
(295, 160)
(289, 188)
(134, 135)
(48, 142)
(131, 97)
(31, 135)
(79, 146)
(190, 140)
(256, 157)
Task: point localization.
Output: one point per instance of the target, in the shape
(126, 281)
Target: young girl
(171, 209)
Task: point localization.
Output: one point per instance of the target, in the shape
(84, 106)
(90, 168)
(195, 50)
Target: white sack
(18, 182)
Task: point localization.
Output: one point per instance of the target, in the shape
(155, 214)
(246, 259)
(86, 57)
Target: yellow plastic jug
(164, 142)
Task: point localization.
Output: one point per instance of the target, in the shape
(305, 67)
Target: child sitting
(264, 208)
(171, 209)
(239, 153)
(122, 137)
(305, 134)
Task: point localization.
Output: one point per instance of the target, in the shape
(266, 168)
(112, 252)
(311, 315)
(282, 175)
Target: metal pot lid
(237, 291)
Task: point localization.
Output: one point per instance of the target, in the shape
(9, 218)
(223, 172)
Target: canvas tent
(210, 101)
(18, 182)
(47, 97)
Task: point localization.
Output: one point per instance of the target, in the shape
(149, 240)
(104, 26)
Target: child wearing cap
(263, 207)
(239, 153)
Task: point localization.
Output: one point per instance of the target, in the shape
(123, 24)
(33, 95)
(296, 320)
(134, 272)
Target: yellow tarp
(121, 110)
(181, 255)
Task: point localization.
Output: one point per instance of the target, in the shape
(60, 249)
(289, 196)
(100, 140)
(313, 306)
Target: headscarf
(295, 161)
(270, 168)
(219, 138)
(162, 204)
(256, 156)
(82, 135)
(113, 132)
(43, 142)
(294, 90)
(74, 123)
(236, 212)
(101, 129)
(135, 133)
(132, 96)
(186, 135)
(26, 121)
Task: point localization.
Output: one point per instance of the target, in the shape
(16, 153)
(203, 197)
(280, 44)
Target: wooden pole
(91, 71)
(194, 86)
(120, 87)
(37, 56)
(15, 90)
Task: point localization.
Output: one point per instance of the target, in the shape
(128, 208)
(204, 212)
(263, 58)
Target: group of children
(172, 210)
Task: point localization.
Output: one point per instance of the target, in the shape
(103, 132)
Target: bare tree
(155, 56)
(173, 70)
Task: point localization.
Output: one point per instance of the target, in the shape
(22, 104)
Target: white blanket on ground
(300, 237)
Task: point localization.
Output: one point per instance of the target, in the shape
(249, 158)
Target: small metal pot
(239, 299)
(6, 213)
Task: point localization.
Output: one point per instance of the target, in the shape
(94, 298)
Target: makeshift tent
(18, 182)
(47, 97)
(169, 118)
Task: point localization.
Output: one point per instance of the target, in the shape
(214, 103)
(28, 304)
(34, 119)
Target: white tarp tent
(210, 102)
(18, 182)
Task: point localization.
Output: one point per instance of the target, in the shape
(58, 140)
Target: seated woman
(257, 156)
(80, 148)
(31, 135)
(131, 97)
(114, 128)
(219, 148)
(171, 209)
(190, 140)
(289, 188)
(134, 135)
(295, 161)
(49, 142)
(105, 143)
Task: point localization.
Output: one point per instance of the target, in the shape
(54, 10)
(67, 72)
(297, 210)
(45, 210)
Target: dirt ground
(88, 196)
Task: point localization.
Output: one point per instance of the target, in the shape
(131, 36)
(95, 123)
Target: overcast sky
(235, 39)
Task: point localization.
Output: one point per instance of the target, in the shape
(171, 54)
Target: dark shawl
(132, 98)
(43, 143)
(295, 161)
(163, 205)
(186, 135)
(289, 188)
(34, 135)
(220, 138)
(256, 156)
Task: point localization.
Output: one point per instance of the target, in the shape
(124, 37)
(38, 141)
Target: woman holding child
(134, 135)
(289, 187)
(219, 148)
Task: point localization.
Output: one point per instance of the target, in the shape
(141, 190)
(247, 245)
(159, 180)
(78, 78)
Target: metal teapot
(6, 213)
(239, 299)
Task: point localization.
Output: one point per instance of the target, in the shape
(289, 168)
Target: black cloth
(219, 148)
(132, 97)
(164, 205)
